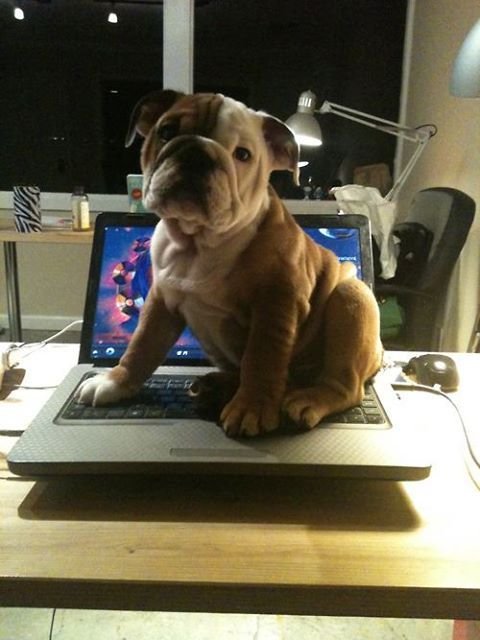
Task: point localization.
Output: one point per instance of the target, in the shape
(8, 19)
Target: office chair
(433, 235)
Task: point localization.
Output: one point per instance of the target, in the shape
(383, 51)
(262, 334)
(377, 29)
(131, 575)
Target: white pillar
(178, 18)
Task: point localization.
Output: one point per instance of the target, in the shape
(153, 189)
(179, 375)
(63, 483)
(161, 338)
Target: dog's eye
(242, 154)
(168, 131)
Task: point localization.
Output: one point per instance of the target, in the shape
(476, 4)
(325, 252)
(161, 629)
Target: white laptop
(159, 431)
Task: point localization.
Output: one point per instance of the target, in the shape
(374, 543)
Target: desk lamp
(308, 133)
(465, 83)
(355, 198)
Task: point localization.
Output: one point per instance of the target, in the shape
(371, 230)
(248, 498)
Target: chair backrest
(448, 213)
(445, 215)
(414, 244)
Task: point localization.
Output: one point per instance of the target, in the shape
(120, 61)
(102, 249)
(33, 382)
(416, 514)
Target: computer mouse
(434, 369)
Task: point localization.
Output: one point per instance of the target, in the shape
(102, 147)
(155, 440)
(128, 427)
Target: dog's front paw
(101, 389)
(246, 415)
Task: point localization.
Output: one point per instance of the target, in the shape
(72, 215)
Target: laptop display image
(158, 431)
(121, 277)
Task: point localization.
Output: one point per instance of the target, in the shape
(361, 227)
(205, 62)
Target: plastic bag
(354, 198)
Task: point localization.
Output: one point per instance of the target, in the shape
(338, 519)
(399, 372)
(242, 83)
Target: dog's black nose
(194, 158)
(193, 167)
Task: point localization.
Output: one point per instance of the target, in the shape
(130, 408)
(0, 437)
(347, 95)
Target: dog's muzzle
(181, 175)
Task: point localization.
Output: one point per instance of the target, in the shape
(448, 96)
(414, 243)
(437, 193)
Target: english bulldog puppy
(291, 330)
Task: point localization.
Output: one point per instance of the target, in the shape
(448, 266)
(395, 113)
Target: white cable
(36, 346)
(472, 455)
(16, 350)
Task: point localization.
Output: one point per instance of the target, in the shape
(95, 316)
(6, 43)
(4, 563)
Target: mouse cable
(410, 386)
(52, 622)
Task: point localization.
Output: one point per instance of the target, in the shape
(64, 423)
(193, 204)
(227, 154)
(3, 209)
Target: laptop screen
(343, 241)
(121, 275)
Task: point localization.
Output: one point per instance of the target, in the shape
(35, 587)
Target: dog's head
(206, 159)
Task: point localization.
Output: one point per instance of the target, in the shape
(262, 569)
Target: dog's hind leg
(351, 354)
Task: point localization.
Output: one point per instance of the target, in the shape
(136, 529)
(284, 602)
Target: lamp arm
(420, 135)
(393, 128)
(407, 170)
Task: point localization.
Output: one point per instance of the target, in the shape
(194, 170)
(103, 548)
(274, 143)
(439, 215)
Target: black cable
(50, 635)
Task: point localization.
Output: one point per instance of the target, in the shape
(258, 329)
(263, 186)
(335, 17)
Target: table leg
(13, 296)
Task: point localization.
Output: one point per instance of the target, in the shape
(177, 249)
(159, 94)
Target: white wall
(452, 158)
(53, 281)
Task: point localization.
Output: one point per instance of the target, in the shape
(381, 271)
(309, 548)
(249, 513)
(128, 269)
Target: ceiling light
(112, 16)
(18, 13)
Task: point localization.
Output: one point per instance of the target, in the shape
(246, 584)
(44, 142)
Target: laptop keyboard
(369, 412)
(167, 397)
(161, 397)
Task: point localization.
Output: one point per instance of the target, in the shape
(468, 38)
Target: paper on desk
(6, 444)
(44, 368)
(56, 222)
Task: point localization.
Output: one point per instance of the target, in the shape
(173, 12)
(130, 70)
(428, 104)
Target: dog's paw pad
(99, 390)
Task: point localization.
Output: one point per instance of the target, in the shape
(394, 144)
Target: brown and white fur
(288, 326)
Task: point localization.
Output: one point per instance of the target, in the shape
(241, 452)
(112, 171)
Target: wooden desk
(10, 238)
(266, 545)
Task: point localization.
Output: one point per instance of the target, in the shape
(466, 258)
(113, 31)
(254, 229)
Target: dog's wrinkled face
(206, 159)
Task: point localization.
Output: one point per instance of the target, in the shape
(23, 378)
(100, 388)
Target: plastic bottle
(80, 210)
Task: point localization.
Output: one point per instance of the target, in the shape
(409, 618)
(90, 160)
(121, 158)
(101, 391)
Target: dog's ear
(282, 144)
(148, 110)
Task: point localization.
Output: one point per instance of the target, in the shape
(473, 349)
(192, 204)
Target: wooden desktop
(231, 544)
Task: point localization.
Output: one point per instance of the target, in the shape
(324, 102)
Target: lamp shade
(465, 78)
(303, 123)
(306, 129)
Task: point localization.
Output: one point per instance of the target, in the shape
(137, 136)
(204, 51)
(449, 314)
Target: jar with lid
(80, 210)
